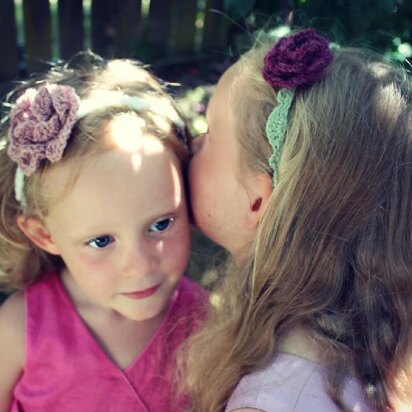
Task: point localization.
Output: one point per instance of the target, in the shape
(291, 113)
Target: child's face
(219, 199)
(123, 230)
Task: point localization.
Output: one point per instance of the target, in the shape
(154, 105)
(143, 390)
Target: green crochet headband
(294, 61)
(276, 126)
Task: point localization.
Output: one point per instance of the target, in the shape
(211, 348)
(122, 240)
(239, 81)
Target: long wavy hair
(332, 252)
(21, 262)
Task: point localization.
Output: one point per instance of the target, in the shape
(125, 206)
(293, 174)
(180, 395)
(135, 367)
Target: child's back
(305, 176)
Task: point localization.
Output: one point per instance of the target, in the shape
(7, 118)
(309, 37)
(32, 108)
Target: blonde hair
(332, 252)
(21, 262)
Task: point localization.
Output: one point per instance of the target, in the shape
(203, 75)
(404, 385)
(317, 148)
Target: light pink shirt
(66, 370)
(295, 384)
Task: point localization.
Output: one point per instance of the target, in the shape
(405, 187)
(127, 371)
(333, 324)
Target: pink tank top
(66, 370)
(295, 384)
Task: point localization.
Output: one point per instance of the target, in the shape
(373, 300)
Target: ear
(260, 189)
(37, 232)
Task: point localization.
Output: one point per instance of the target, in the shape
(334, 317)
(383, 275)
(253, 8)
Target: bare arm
(11, 347)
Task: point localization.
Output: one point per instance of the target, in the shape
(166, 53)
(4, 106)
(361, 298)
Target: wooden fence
(150, 30)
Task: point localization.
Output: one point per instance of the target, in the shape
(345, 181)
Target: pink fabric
(293, 384)
(66, 370)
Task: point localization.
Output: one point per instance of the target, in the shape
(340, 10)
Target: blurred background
(186, 42)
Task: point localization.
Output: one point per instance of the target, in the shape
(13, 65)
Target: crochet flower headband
(294, 61)
(41, 122)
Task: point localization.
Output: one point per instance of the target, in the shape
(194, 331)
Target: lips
(142, 294)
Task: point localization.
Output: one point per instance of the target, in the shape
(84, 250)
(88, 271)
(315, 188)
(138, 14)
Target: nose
(139, 261)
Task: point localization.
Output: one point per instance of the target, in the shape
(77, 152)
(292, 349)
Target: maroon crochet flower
(40, 125)
(297, 60)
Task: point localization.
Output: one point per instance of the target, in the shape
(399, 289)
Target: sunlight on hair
(162, 111)
(378, 69)
(215, 300)
(119, 69)
(280, 31)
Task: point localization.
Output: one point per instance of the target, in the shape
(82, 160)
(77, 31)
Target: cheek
(200, 167)
(200, 182)
(90, 261)
(93, 258)
(177, 250)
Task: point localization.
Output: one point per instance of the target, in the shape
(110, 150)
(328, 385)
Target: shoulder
(12, 314)
(12, 345)
(267, 387)
(289, 383)
(12, 323)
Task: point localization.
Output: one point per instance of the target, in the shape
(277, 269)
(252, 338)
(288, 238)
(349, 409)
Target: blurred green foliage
(383, 25)
(192, 104)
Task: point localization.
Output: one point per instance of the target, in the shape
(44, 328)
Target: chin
(146, 316)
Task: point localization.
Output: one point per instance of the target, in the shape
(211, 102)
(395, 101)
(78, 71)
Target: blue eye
(161, 225)
(100, 242)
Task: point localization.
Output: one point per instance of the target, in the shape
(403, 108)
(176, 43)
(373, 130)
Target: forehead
(222, 109)
(127, 132)
(225, 88)
(116, 181)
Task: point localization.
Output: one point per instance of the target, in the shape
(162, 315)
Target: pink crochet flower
(40, 124)
(297, 60)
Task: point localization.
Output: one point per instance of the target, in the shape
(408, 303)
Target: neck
(121, 338)
(299, 343)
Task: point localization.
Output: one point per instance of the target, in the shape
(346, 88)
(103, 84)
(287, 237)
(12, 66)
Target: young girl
(305, 176)
(95, 235)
